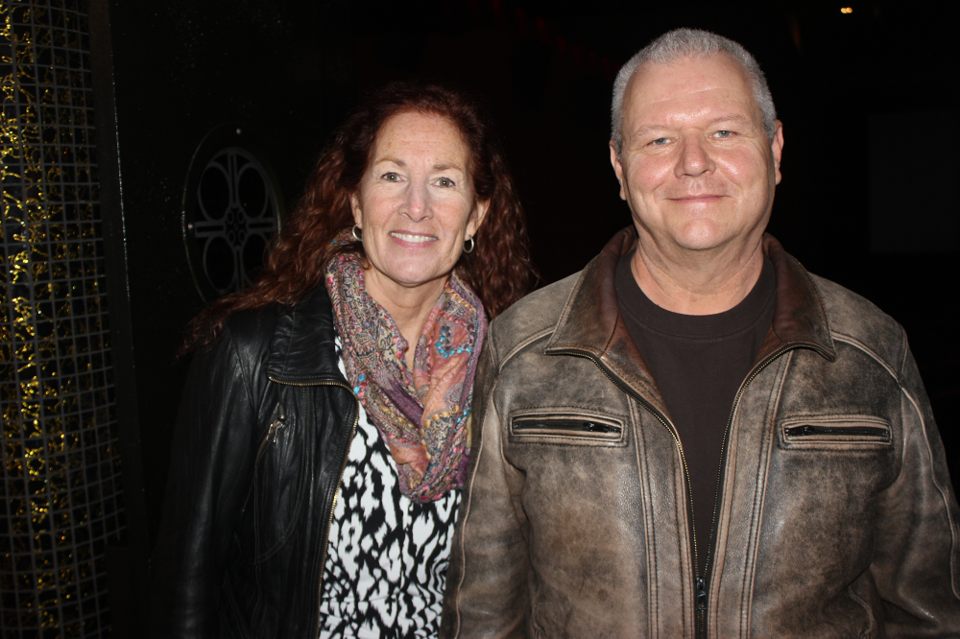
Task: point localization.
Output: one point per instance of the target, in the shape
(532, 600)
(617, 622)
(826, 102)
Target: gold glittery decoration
(61, 479)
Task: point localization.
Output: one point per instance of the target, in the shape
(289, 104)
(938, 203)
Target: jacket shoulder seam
(523, 344)
(873, 354)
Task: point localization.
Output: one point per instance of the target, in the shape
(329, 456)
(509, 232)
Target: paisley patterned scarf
(422, 415)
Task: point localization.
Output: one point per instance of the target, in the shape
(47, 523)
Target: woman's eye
(390, 177)
(445, 181)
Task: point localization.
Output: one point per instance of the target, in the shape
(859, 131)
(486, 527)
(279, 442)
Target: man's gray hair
(683, 43)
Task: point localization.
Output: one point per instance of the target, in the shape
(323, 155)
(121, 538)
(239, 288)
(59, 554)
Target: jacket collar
(303, 351)
(590, 324)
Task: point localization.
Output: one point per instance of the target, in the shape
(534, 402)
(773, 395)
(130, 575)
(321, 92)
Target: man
(694, 436)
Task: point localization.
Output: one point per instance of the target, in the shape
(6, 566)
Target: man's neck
(702, 283)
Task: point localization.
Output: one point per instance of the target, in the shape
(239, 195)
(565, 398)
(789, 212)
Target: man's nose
(416, 206)
(695, 157)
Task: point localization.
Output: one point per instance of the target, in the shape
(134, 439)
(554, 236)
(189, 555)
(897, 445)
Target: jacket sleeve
(488, 575)
(210, 472)
(916, 560)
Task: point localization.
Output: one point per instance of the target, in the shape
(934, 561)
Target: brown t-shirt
(698, 363)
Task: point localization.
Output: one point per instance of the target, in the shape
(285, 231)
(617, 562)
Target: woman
(378, 289)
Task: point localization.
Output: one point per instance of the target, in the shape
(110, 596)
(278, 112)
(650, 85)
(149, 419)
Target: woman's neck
(408, 307)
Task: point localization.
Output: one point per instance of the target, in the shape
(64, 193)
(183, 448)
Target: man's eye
(659, 141)
(723, 133)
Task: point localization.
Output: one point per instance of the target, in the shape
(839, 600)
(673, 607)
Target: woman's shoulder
(252, 326)
(283, 340)
(242, 345)
(259, 326)
(291, 341)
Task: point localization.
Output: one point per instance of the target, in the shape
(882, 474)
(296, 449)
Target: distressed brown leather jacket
(835, 516)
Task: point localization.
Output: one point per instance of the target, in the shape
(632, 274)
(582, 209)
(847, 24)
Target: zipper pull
(277, 424)
(701, 595)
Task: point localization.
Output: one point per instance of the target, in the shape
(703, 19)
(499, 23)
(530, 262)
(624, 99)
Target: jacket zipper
(577, 426)
(700, 582)
(700, 594)
(325, 538)
(271, 437)
(850, 431)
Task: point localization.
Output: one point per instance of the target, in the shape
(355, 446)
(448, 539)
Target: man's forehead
(717, 67)
(657, 82)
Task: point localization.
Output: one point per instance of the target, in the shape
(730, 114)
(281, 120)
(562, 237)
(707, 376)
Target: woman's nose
(416, 206)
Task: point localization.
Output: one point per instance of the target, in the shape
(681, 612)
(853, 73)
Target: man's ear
(617, 168)
(776, 147)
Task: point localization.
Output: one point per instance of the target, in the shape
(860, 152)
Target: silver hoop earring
(469, 245)
(357, 233)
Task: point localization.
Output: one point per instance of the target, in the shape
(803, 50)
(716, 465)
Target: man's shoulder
(856, 320)
(532, 318)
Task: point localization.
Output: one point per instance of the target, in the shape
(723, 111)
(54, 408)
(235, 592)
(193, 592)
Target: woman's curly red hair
(499, 270)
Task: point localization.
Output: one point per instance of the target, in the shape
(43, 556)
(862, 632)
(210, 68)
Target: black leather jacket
(260, 445)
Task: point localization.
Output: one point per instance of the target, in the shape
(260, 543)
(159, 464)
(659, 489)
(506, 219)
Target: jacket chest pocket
(836, 432)
(825, 479)
(568, 429)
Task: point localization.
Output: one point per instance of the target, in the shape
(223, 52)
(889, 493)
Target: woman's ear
(355, 208)
(477, 217)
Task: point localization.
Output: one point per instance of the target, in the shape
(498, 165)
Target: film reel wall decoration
(230, 212)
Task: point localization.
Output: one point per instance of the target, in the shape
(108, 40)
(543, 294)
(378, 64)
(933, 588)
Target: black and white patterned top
(387, 556)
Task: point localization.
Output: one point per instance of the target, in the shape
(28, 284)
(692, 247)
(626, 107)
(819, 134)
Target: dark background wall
(182, 69)
(868, 168)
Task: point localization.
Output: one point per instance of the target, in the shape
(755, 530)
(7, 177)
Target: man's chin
(704, 238)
